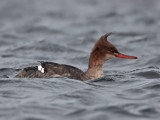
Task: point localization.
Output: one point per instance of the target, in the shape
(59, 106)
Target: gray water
(64, 31)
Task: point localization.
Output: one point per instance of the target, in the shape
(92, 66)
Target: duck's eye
(114, 51)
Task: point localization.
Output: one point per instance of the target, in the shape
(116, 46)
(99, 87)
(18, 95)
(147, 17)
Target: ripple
(39, 29)
(149, 74)
(64, 32)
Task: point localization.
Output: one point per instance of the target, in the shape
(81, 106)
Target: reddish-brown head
(104, 50)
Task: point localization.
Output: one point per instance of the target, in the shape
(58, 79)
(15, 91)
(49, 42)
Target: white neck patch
(40, 68)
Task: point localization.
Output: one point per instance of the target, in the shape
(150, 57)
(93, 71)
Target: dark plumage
(52, 70)
(101, 52)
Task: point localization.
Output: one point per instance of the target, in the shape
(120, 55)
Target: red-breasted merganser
(101, 52)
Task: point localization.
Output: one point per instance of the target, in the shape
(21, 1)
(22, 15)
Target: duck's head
(104, 50)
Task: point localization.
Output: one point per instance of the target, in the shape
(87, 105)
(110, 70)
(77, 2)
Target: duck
(102, 51)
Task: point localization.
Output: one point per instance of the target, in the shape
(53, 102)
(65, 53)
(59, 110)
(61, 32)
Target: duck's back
(50, 69)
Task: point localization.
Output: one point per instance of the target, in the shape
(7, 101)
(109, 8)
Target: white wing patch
(40, 68)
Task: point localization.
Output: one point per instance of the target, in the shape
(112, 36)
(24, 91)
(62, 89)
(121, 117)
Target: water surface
(64, 32)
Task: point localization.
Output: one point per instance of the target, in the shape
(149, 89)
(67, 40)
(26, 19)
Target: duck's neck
(95, 66)
(94, 73)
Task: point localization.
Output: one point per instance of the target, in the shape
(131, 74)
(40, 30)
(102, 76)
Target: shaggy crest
(103, 44)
